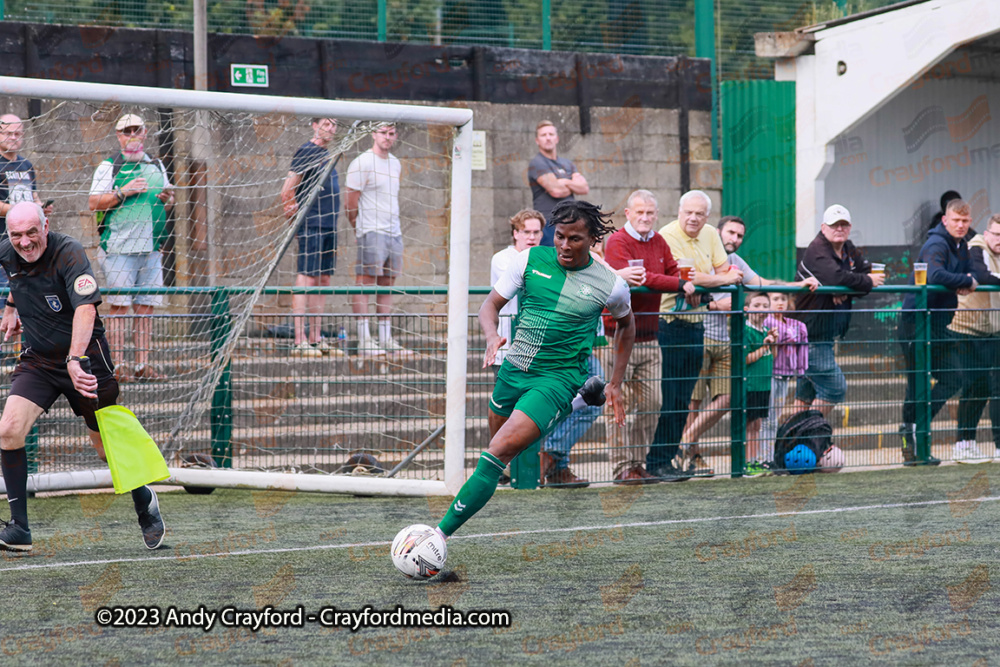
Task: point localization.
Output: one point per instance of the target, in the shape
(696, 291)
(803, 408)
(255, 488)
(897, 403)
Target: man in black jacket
(833, 261)
(946, 253)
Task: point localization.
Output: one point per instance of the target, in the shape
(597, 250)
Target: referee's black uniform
(46, 294)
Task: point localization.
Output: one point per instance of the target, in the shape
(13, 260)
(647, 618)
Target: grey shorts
(142, 270)
(379, 254)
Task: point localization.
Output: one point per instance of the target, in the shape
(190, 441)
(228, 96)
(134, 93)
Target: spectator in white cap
(833, 261)
(131, 194)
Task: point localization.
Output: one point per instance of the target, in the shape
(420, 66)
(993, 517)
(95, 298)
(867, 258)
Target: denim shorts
(823, 379)
(317, 251)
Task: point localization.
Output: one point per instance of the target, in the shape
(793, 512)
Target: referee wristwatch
(73, 358)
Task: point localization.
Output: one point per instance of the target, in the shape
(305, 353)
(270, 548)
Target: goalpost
(234, 389)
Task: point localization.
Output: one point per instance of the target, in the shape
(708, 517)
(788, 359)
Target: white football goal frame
(457, 292)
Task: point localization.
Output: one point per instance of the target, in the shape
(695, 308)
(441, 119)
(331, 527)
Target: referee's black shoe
(14, 537)
(592, 391)
(153, 530)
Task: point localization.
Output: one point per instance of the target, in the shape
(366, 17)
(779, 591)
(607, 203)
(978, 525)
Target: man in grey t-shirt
(717, 366)
(552, 179)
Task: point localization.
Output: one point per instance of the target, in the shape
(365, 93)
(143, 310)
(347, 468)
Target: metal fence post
(704, 46)
(922, 357)
(526, 469)
(546, 25)
(222, 398)
(382, 20)
(737, 385)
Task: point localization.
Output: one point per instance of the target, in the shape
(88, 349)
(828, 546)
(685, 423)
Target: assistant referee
(54, 295)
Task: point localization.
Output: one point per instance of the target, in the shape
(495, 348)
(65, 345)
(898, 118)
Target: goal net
(239, 361)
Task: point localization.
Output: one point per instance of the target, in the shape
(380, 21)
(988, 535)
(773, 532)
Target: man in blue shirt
(317, 234)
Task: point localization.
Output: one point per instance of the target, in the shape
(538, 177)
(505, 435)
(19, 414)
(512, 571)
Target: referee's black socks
(141, 497)
(14, 463)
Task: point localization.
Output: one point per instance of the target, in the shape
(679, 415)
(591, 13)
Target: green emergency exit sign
(253, 76)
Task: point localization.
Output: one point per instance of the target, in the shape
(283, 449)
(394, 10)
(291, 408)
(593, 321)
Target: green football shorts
(545, 397)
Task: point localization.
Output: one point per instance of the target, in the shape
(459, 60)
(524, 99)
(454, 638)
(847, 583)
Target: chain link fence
(639, 27)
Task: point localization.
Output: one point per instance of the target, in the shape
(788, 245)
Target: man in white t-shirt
(526, 232)
(373, 211)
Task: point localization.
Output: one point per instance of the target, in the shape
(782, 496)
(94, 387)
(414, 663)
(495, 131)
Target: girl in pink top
(791, 358)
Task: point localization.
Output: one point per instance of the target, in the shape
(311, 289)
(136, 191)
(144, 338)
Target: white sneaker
(966, 451)
(329, 350)
(369, 347)
(304, 349)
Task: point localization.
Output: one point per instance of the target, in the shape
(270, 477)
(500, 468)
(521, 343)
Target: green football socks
(474, 494)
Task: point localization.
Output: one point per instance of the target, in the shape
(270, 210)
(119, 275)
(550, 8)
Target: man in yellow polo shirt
(681, 329)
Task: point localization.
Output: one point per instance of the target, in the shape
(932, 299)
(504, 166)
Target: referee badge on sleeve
(54, 302)
(84, 285)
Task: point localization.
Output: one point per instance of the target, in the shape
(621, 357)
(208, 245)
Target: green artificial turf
(815, 569)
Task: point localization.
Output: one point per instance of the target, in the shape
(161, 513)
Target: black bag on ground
(807, 428)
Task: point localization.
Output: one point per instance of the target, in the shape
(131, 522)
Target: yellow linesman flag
(133, 457)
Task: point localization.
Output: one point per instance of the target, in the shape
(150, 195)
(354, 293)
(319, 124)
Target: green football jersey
(559, 309)
(137, 225)
(758, 374)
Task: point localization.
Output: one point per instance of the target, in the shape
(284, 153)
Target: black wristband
(10, 304)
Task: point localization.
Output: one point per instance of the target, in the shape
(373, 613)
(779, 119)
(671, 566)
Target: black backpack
(807, 428)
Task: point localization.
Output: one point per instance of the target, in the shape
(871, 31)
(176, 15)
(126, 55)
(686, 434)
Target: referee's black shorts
(41, 380)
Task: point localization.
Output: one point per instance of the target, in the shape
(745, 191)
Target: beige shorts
(716, 369)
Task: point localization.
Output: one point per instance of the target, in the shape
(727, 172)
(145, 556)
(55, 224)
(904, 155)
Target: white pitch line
(513, 533)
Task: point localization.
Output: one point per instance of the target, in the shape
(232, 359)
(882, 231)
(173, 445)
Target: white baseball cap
(835, 214)
(129, 120)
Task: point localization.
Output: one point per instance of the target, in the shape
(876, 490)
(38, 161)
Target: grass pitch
(885, 567)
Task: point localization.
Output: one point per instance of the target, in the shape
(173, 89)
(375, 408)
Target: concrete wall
(629, 147)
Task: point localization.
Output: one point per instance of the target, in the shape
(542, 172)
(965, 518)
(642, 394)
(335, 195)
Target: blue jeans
(823, 378)
(574, 425)
(682, 346)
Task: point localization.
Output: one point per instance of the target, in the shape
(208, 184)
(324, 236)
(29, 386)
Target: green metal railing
(872, 329)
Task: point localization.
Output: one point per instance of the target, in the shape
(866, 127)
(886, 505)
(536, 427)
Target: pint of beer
(919, 273)
(878, 268)
(686, 268)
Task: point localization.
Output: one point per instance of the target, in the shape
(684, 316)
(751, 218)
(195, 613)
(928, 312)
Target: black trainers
(908, 434)
(14, 538)
(592, 391)
(668, 473)
(153, 530)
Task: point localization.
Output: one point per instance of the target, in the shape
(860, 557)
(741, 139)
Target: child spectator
(791, 358)
(760, 364)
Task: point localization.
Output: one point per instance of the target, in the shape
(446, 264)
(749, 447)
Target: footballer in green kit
(562, 292)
